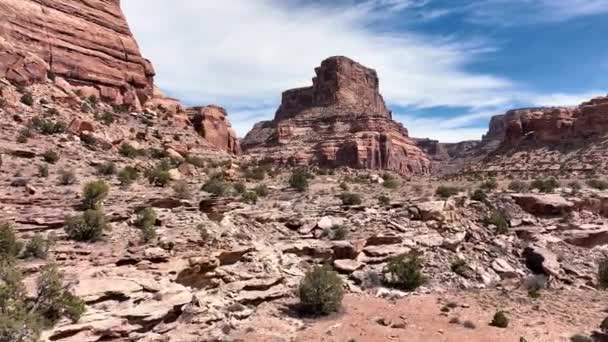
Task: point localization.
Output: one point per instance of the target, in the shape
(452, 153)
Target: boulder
(543, 205)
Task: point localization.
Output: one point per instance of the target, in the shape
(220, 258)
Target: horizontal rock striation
(88, 43)
(341, 120)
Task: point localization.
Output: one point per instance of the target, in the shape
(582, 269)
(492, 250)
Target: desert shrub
(10, 247)
(604, 325)
(575, 186)
(257, 173)
(349, 198)
(196, 161)
(479, 195)
(469, 325)
(92, 100)
(87, 227)
(24, 135)
(500, 320)
(158, 153)
(216, 186)
(159, 175)
(240, 187)
(249, 197)
(404, 272)
(546, 185)
(390, 182)
(27, 99)
(128, 151)
(598, 184)
(459, 267)
(107, 118)
(48, 127)
(497, 219)
(384, 200)
(338, 233)
(128, 175)
(54, 301)
(106, 169)
(321, 291)
(50, 75)
(50, 157)
(489, 185)
(146, 222)
(36, 248)
(371, 279)
(344, 186)
(182, 190)
(299, 180)
(602, 274)
(88, 139)
(445, 191)
(94, 193)
(581, 338)
(43, 170)
(261, 190)
(67, 177)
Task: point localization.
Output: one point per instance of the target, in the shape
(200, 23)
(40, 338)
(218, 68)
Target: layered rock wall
(211, 122)
(341, 120)
(88, 43)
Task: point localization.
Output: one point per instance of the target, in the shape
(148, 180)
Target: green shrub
(54, 301)
(489, 185)
(66, 177)
(50, 75)
(344, 186)
(37, 248)
(182, 190)
(261, 190)
(48, 127)
(498, 219)
(602, 274)
(158, 153)
(146, 222)
(50, 157)
(106, 169)
(94, 193)
(299, 180)
(27, 99)
(43, 170)
(575, 186)
(338, 233)
(240, 187)
(321, 291)
(24, 135)
(404, 272)
(384, 200)
(598, 184)
(128, 151)
(500, 320)
(10, 247)
(547, 185)
(250, 197)
(460, 267)
(159, 175)
(196, 161)
(349, 198)
(445, 191)
(128, 175)
(107, 118)
(518, 186)
(215, 186)
(258, 173)
(390, 182)
(87, 227)
(479, 195)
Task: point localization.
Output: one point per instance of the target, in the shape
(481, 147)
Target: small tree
(128, 175)
(404, 272)
(146, 222)
(10, 247)
(299, 180)
(54, 301)
(321, 291)
(87, 227)
(500, 320)
(94, 193)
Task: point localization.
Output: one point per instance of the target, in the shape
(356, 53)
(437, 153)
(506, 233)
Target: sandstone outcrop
(341, 120)
(211, 122)
(87, 43)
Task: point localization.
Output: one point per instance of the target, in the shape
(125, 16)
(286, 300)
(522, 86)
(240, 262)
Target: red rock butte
(341, 120)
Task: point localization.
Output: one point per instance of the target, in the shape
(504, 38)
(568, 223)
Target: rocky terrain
(340, 121)
(205, 242)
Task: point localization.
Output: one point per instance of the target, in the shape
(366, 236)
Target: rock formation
(87, 48)
(341, 120)
(211, 123)
(88, 43)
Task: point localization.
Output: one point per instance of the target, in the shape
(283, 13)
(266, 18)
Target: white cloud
(565, 100)
(244, 53)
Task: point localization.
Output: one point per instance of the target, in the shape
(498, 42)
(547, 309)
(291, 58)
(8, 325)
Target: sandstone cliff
(341, 120)
(87, 48)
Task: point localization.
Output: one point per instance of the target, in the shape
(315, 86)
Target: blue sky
(445, 66)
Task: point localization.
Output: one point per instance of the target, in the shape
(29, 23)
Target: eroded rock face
(551, 125)
(211, 122)
(88, 43)
(341, 120)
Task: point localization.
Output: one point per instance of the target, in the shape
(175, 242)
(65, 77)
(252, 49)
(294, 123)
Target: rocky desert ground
(127, 216)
